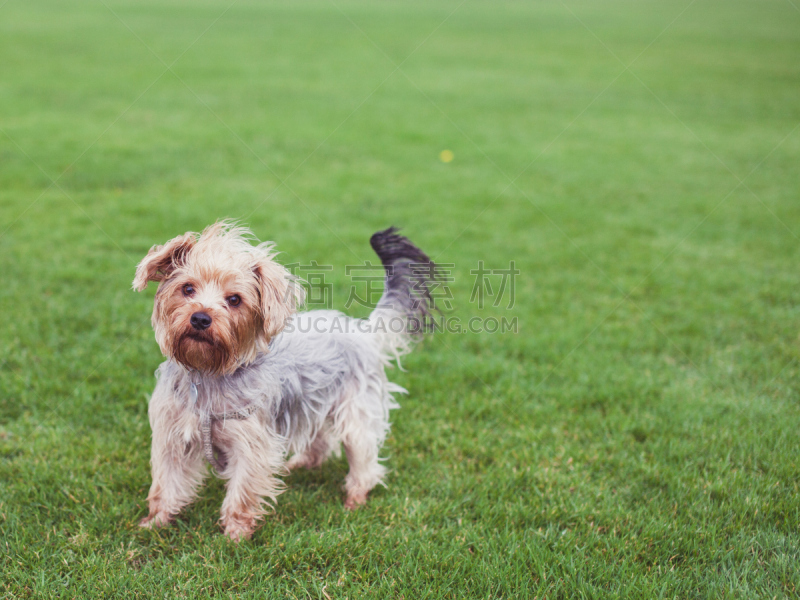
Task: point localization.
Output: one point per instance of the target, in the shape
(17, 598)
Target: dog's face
(220, 299)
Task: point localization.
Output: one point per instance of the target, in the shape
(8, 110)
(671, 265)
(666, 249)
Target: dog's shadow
(309, 494)
(334, 467)
(321, 485)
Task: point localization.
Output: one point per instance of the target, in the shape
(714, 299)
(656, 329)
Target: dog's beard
(232, 341)
(204, 352)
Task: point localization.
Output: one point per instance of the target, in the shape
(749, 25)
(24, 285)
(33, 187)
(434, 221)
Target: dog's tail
(405, 310)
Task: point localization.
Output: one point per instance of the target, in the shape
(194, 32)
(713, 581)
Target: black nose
(200, 320)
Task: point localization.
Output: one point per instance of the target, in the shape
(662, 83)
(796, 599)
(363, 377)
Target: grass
(637, 438)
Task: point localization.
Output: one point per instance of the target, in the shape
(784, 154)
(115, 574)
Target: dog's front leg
(177, 459)
(253, 457)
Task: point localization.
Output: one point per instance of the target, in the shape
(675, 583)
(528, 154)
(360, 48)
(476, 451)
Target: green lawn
(638, 436)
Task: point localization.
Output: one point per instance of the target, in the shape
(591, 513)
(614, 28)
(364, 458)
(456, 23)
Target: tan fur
(219, 262)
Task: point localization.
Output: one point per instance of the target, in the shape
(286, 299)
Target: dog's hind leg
(363, 425)
(365, 469)
(361, 421)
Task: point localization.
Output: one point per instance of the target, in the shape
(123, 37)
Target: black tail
(410, 277)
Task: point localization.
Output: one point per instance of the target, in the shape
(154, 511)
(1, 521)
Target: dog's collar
(207, 420)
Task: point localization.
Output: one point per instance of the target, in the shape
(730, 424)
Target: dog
(249, 381)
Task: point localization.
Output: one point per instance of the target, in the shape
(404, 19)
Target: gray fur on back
(321, 360)
(325, 365)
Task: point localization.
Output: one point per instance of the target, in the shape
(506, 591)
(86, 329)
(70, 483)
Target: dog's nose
(200, 320)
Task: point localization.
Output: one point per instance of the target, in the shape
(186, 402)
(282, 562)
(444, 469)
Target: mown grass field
(637, 438)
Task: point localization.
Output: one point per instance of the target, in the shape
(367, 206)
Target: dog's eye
(188, 290)
(234, 300)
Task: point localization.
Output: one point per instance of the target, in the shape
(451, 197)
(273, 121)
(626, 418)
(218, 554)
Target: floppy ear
(161, 261)
(280, 295)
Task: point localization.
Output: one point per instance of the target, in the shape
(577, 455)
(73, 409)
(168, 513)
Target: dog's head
(220, 299)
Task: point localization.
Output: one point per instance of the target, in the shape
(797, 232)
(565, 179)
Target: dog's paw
(355, 498)
(238, 532)
(239, 526)
(159, 519)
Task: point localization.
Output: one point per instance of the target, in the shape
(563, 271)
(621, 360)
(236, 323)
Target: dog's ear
(280, 295)
(161, 261)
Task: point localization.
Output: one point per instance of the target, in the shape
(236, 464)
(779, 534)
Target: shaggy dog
(248, 381)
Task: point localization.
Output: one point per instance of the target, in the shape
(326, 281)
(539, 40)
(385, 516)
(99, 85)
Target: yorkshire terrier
(249, 381)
